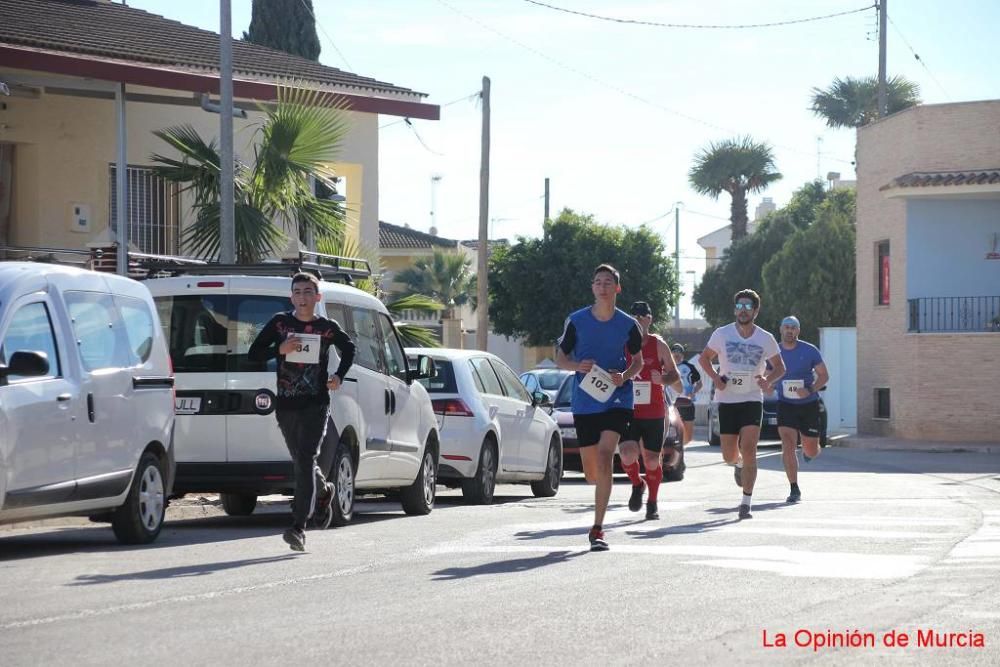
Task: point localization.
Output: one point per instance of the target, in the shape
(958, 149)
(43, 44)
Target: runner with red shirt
(649, 410)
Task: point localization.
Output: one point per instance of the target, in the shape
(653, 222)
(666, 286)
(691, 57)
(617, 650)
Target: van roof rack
(332, 268)
(66, 256)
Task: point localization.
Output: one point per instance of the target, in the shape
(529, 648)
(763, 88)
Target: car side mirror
(540, 399)
(425, 368)
(26, 363)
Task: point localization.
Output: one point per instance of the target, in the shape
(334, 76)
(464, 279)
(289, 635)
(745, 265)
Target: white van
(86, 400)
(386, 436)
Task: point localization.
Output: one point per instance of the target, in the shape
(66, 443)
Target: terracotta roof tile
(113, 30)
(394, 237)
(923, 179)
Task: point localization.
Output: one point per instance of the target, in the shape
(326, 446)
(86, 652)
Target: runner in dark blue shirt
(798, 401)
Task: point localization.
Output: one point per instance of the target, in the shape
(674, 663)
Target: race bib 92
(306, 351)
(741, 382)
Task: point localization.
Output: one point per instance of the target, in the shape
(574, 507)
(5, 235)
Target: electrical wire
(327, 35)
(612, 86)
(409, 124)
(697, 26)
(918, 58)
(464, 98)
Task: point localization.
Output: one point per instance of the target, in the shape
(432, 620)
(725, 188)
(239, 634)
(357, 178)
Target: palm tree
(853, 102)
(445, 277)
(298, 140)
(413, 335)
(737, 166)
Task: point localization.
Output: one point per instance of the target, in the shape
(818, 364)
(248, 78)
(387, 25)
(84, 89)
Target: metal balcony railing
(955, 314)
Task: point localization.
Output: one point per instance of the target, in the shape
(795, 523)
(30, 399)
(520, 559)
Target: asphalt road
(883, 544)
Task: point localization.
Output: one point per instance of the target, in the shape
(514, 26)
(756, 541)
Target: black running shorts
(649, 431)
(590, 426)
(685, 408)
(734, 416)
(803, 417)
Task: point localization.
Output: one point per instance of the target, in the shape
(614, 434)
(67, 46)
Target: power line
(918, 58)
(326, 34)
(612, 86)
(697, 26)
(464, 98)
(409, 124)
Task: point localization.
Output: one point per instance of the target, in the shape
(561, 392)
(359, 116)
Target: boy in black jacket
(301, 341)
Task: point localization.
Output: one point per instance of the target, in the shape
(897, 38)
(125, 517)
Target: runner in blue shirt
(593, 344)
(798, 401)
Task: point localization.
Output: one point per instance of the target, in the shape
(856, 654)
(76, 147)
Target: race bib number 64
(307, 350)
(597, 384)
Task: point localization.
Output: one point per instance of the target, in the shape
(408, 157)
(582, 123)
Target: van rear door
(194, 314)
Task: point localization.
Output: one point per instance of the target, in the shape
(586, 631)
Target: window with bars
(151, 212)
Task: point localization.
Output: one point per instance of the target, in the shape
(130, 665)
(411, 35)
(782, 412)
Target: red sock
(653, 479)
(633, 473)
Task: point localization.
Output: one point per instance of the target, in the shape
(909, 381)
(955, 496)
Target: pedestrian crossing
(821, 538)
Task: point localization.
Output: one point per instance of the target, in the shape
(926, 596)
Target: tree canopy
(737, 166)
(800, 259)
(536, 283)
(853, 102)
(445, 277)
(285, 25)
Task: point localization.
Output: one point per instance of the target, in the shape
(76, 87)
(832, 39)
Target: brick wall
(943, 386)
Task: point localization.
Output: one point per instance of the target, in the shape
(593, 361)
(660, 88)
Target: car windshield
(443, 380)
(565, 395)
(550, 380)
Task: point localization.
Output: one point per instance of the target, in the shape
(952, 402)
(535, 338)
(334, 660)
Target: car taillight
(451, 406)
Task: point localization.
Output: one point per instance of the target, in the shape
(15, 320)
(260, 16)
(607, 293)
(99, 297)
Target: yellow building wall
(63, 146)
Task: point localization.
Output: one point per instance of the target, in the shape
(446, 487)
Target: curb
(892, 444)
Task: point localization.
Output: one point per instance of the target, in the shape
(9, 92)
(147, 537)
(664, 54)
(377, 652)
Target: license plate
(772, 421)
(568, 433)
(187, 405)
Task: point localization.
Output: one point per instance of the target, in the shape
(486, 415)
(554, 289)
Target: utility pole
(227, 224)
(677, 267)
(482, 308)
(883, 20)
(435, 179)
(546, 199)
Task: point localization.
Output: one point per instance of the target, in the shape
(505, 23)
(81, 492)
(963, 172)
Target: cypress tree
(285, 25)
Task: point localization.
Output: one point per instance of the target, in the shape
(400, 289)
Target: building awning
(944, 183)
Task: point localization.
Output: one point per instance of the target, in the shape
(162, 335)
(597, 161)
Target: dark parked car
(673, 451)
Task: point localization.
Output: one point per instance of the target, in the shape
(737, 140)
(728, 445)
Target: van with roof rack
(227, 441)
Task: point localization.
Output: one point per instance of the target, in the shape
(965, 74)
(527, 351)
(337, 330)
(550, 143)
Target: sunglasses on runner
(742, 305)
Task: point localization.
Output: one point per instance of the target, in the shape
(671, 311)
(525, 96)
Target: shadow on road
(506, 566)
(572, 530)
(199, 570)
(686, 529)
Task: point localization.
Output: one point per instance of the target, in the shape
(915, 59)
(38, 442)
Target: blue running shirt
(586, 337)
(799, 364)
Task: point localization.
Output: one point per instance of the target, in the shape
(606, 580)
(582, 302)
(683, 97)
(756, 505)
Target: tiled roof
(394, 237)
(923, 179)
(116, 31)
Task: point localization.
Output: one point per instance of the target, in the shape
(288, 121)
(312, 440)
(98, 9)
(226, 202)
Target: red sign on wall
(884, 280)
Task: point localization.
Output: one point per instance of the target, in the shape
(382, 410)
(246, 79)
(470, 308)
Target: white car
(548, 380)
(386, 435)
(86, 400)
(492, 429)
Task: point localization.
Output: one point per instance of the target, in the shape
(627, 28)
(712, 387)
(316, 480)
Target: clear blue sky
(613, 113)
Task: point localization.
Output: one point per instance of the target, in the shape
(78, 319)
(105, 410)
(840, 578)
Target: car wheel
(479, 489)
(238, 504)
(343, 486)
(140, 519)
(548, 486)
(418, 498)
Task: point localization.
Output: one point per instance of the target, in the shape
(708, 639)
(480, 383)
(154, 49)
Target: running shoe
(635, 502)
(651, 513)
(295, 538)
(745, 512)
(324, 508)
(794, 497)
(597, 542)
(738, 475)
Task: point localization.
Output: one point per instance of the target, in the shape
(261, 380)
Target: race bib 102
(642, 392)
(306, 351)
(597, 384)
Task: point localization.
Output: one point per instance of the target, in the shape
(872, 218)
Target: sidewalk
(899, 444)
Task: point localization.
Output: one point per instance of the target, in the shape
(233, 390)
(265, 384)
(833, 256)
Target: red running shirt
(656, 407)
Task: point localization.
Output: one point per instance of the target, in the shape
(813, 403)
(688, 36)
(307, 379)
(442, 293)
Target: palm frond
(418, 302)
(414, 335)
